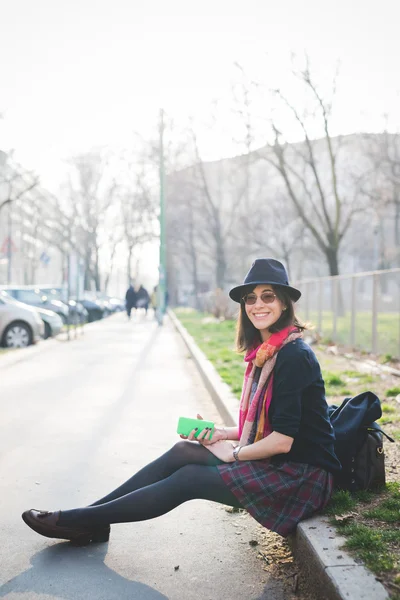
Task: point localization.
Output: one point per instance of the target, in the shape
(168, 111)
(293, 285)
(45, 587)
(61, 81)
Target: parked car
(116, 303)
(77, 312)
(20, 325)
(94, 308)
(34, 297)
(53, 323)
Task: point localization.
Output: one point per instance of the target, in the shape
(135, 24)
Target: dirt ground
(276, 558)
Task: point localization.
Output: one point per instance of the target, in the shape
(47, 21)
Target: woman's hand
(204, 436)
(222, 450)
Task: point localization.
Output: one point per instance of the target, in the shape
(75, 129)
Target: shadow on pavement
(64, 571)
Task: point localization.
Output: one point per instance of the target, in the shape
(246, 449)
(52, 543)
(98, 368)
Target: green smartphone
(186, 425)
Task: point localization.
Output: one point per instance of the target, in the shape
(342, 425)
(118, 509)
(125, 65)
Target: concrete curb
(334, 574)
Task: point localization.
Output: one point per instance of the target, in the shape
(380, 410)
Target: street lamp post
(162, 284)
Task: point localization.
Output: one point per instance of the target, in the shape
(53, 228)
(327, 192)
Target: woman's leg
(187, 483)
(183, 453)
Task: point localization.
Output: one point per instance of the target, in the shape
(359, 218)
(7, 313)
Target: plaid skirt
(278, 495)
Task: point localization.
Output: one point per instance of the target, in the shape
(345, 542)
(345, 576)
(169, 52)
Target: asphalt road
(77, 419)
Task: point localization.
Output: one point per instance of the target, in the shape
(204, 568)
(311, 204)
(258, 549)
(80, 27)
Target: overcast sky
(80, 73)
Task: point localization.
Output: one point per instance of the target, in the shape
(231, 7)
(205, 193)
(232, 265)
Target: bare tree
(91, 194)
(114, 238)
(16, 183)
(382, 188)
(309, 171)
(220, 189)
(184, 250)
(138, 207)
(16, 193)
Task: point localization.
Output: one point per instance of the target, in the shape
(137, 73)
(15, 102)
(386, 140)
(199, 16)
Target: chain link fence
(361, 311)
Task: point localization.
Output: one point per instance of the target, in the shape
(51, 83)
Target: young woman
(278, 463)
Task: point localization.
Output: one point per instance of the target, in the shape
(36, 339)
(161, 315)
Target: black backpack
(359, 442)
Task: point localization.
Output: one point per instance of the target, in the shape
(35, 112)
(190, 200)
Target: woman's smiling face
(262, 315)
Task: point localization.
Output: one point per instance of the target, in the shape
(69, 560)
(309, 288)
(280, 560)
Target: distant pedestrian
(130, 300)
(142, 298)
(279, 462)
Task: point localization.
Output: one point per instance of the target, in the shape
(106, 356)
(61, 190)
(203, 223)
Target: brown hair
(247, 334)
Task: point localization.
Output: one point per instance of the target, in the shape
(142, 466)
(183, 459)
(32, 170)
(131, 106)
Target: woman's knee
(188, 452)
(180, 446)
(183, 448)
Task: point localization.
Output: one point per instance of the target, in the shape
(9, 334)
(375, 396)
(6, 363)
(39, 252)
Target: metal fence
(361, 311)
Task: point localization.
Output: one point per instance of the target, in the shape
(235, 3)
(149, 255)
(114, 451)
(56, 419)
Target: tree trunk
(195, 280)
(220, 272)
(129, 265)
(88, 273)
(333, 262)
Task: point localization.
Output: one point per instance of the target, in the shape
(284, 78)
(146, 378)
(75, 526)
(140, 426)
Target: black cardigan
(299, 408)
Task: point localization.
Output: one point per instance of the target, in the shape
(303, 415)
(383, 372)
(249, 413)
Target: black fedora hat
(265, 270)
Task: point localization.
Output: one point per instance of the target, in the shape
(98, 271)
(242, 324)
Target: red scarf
(264, 355)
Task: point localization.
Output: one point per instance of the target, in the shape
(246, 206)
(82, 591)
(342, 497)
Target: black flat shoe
(46, 523)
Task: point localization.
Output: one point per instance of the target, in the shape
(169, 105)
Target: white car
(20, 325)
(53, 323)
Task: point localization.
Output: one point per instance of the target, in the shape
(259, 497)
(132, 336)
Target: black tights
(186, 472)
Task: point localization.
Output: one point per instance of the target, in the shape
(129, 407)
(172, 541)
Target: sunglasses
(266, 297)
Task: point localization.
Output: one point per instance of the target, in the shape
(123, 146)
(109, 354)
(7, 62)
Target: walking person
(142, 298)
(278, 463)
(130, 300)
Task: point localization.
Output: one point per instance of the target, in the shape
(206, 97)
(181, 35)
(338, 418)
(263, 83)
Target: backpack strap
(376, 427)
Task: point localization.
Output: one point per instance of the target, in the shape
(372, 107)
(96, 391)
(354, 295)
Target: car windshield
(55, 293)
(8, 299)
(29, 296)
(51, 292)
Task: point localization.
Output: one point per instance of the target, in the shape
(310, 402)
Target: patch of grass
(216, 339)
(332, 382)
(392, 392)
(386, 358)
(332, 379)
(372, 535)
(371, 545)
(393, 487)
(389, 515)
(364, 496)
(385, 420)
(345, 392)
(341, 502)
(387, 328)
(388, 510)
(366, 378)
(361, 377)
(352, 374)
(386, 408)
(396, 434)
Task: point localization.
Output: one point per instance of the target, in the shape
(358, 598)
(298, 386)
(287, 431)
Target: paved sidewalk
(334, 574)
